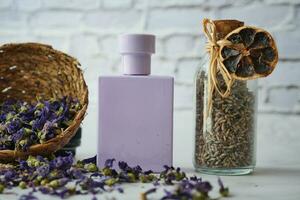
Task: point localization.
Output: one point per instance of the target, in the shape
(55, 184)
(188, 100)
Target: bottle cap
(136, 50)
(137, 43)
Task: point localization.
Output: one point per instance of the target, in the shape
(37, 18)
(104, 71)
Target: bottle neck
(136, 64)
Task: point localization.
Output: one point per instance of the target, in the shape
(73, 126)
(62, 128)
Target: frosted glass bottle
(136, 109)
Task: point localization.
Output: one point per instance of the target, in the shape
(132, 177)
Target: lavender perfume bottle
(136, 109)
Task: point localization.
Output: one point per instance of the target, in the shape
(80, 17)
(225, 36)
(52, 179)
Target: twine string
(215, 64)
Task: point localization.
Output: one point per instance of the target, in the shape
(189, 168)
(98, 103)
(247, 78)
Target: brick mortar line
(286, 87)
(145, 15)
(290, 113)
(208, 7)
(280, 3)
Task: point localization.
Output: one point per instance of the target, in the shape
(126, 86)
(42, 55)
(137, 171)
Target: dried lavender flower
(2, 187)
(23, 185)
(91, 167)
(23, 124)
(224, 191)
(145, 194)
(62, 177)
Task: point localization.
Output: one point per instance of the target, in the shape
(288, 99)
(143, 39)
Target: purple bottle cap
(136, 50)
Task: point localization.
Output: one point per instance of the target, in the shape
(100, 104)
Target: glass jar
(225, 134)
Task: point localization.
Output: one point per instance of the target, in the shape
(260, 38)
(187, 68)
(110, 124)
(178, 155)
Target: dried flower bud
(2, 187)
(51, 176)
(91, 167)
(22, 185)
(54, 184)
(44, 182)
(224, 192)
(111, 181)
(24, 124)
(106, 171)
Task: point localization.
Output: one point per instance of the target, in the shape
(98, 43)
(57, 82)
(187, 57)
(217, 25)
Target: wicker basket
(31, 70)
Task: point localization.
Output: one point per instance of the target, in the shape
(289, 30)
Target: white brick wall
(88, 30)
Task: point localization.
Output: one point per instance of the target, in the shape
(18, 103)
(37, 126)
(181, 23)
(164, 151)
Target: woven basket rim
(70, 131)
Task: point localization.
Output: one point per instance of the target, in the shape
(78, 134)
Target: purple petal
(76, 173)
(28, 196)
(43, 170)
(203, 187)
(123, 165)
(152, 190)
(90, 160)
(18, 135)
(137, 169)
(45, 190)
(23, 165)
(109, 163)
(120, 190)
(148, 172)
(220, 182)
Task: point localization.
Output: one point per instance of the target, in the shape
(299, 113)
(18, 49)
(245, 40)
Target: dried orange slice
(251, 53)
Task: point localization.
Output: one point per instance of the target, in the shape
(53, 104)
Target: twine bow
(215, 65)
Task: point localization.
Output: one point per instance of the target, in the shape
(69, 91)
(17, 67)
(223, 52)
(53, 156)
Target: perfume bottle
(136, 109)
